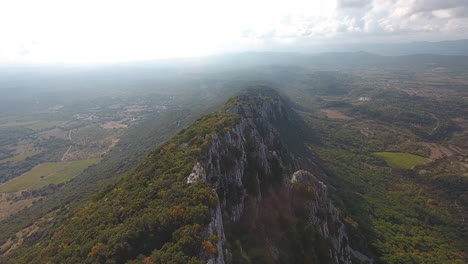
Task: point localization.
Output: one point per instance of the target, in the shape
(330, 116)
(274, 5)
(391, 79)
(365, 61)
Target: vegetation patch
(21, 157)
(402, 160)
(45, 174)
(34, 125)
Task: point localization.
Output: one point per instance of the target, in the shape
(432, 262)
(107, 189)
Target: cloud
(353, 3)
(420, 16)
(341, 21)
(427, 6)
(110, 30)
(461, 11)
(369, 21)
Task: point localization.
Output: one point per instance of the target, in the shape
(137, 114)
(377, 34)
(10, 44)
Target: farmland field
(21, 156)
(401, 160)
(47, 173)
(35, 125)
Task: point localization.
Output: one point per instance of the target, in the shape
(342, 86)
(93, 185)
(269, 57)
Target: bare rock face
(216, 227)
(245, 161)
(250, 149)
(303, 176)
(323, 215)
(197, 173)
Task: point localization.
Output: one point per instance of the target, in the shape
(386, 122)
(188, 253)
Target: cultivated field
(34, 125)
(21, 157)
(45, 174)
(402, 160)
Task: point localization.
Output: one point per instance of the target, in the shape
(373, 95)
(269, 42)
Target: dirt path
(64, 156)
(460, 211)
(437, 124)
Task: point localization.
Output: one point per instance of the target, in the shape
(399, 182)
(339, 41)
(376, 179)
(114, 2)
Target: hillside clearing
(47, 173)
(402, 160)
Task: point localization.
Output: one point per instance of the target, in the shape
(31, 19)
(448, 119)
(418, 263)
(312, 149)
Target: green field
(401, 160)
(35, 125)
(13, 124)
(45, 174)
(21, 156)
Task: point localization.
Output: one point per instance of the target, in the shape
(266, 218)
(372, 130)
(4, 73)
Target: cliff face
(253, 173)
(237, 186)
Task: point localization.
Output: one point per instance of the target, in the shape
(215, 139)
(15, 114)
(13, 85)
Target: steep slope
(228, 189)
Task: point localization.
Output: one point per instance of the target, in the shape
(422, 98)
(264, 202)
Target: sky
(87, 31)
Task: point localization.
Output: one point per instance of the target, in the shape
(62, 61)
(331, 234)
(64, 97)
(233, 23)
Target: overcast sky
(116, 30)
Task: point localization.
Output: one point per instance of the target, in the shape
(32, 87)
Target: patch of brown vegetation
(335, 114)
(113, 124)
(20, 236)
(366, 131)
(438, 151)
(9, 207)
(55, 132)
(135, 108)
(92, 141)
(114, 142)
(23, 146)
(209, 248)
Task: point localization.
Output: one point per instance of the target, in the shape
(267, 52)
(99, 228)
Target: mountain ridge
(203, 194)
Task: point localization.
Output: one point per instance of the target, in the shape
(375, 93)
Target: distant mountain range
(341, 60)
(451, 47)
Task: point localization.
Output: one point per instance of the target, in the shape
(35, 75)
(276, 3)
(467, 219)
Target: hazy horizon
(53, 31)
(222, 132)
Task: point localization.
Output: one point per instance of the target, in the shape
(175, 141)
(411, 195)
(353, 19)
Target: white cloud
(115, 30)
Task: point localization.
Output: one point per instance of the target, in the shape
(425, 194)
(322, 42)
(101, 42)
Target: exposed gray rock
(323, 215)
(253, 151)
(302, 176)
(363, 258)
(216, 227)
(197, 173)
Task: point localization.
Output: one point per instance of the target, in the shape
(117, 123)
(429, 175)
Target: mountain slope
(227, 189)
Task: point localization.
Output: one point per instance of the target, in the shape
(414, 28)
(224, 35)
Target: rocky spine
(253, 152)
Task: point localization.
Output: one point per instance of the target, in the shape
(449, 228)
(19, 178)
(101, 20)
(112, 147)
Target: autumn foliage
(209, 248)
(95, 250)
(177, 211)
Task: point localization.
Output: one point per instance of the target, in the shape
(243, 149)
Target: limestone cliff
(251, 166)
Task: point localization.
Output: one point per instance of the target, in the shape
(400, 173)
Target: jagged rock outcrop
(197, 173)
(323, 215)
(244, 163)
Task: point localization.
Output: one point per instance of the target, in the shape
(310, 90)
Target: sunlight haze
(109, 31)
